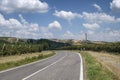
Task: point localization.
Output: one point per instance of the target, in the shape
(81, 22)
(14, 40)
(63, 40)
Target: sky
(61, 19)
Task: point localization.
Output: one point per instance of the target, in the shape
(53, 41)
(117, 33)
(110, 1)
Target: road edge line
(81, 67)
(44, 68)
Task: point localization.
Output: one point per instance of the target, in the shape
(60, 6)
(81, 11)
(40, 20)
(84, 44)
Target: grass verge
(95, 70)
(4, 66)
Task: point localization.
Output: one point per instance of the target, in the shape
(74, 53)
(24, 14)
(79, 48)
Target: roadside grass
(95, 70)
(5, 59)
(7, 65)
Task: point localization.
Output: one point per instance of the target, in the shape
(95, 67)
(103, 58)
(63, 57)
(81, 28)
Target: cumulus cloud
(114, 33)
(97, 7)
(103, 35)
(115, 5)
(94, 17)
(90, 32)
(10, 6)
(99, 17)
(68, 34)
(55, 25)
(10, 23)
(18, 28)
(29, 26)
(106, 35)
(24, 29)
(67, 15)
(91, 26)
(45, 33)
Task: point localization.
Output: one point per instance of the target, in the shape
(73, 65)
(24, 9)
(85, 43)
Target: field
(111, 61)
(94, 70)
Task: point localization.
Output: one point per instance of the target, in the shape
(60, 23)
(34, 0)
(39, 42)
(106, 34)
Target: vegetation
(108, 47)
(95, 70)
(12, 47)
(7, 65)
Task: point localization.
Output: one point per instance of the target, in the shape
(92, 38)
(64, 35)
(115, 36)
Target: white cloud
(29, 26)
(91, 26)
(104, 35)
(45, 33)
(118, 19)
(107, 35)
(112, 33)
(115, 5)
(17, 28)
(90, 32)
(55, 25)
(11, 6)
(97, 7)
(22, 19)
(95, 17)
(68, 34)
(10, 23)
(67, 15)
(23, 29)
(99, 17)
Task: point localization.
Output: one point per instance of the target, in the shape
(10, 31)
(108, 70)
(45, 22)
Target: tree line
(28, 46)
(31, 45)
(108, 47)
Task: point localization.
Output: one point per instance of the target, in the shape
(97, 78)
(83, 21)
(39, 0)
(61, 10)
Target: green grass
(95, 70)
(4, 66)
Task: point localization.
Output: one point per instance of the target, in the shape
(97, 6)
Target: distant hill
(72, 41)
(11, 40)
(69, 41)
(51, 44)
(77, 42)
(50, 41)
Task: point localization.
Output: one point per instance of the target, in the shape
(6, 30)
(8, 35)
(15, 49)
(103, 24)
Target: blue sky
(61, 19)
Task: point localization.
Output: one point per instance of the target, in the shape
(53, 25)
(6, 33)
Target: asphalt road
(62, 66)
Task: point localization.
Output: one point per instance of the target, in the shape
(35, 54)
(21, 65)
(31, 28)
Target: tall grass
(96, 71)
(8, 65)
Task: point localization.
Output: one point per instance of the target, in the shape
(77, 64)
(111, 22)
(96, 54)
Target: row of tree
(28, 46)
(13, 49)
(108, 47)
(31, 45)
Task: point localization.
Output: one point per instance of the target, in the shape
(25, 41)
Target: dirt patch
(111, 61)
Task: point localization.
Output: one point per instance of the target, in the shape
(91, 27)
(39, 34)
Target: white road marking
(44, 68)
(25, 65)
(81, 67)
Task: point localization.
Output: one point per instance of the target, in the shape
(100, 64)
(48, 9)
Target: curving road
(64, 65)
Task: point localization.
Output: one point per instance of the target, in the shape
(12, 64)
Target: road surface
(64, 65)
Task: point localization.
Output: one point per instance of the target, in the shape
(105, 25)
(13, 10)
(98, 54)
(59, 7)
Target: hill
(49, 43)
